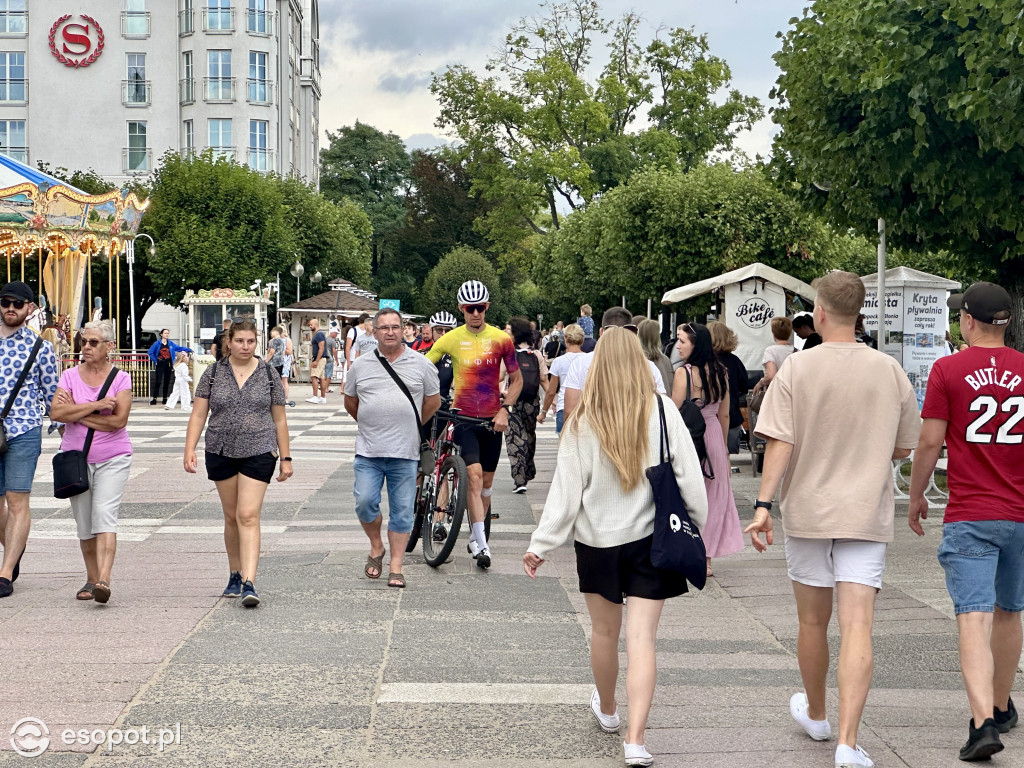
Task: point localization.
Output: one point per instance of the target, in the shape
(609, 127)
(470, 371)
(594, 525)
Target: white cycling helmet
(473, 292)
(443, 320)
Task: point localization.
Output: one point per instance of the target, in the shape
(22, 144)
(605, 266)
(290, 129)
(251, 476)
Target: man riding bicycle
(476, 351)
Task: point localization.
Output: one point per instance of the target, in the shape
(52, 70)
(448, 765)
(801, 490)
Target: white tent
(755, 270)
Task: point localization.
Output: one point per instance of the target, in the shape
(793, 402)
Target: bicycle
(439, 526)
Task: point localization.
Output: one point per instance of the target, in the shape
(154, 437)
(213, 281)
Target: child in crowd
(181, 384)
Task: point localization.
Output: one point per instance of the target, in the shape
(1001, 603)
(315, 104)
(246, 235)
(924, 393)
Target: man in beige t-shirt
(834, 417)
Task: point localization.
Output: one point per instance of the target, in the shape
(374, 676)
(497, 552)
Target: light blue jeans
(400, 474)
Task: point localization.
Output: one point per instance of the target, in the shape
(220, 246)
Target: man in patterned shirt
(24, 423)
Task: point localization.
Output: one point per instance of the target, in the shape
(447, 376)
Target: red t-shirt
(980, 394)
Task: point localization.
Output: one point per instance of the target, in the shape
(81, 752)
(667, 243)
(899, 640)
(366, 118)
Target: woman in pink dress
(723, 534)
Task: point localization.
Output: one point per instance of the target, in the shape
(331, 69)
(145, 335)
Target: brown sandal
(396, 580)
(376, 563)
(85, 593)
(101, 592)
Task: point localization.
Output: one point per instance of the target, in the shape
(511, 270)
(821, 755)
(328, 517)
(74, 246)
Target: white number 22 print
(989, 406)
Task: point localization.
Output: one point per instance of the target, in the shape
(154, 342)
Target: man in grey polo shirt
(388, 441)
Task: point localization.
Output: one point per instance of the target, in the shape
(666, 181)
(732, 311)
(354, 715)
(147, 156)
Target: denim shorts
(984, 564)
(18, 465)
(559, 421)
(400, 474)
(329, 369)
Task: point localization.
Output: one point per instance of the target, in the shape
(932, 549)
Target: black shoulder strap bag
(677, 545)
(426, 453)
(14, 392)
(71, 468)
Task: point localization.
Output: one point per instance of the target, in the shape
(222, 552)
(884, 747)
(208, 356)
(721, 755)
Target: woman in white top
(601, 497)
(559, 368)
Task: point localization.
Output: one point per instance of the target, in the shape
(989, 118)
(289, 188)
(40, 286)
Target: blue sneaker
(234, 587)
(249, 597)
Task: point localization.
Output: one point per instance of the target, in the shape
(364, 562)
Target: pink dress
(723, 534)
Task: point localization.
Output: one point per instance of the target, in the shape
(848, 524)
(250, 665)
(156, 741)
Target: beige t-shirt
(845, 408)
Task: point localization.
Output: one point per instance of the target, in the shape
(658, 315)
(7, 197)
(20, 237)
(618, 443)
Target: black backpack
(530, 368)
(694, 421)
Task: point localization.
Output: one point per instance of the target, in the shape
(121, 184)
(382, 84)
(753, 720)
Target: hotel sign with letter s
(73, 43)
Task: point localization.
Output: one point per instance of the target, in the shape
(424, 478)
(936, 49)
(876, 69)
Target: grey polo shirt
(387, 426)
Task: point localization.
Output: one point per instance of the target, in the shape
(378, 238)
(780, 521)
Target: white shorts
(96, 510)
(823, 562)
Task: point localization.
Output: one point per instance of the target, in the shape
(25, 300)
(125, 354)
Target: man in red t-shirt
(975, 404)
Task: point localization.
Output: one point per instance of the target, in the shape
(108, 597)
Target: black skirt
(625, 570)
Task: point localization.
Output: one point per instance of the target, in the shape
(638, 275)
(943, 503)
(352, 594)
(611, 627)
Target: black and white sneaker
(249, 597)
(483, 558)
(519, 489)
(473, 548)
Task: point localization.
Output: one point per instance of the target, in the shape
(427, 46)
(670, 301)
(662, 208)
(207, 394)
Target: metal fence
(139, 367)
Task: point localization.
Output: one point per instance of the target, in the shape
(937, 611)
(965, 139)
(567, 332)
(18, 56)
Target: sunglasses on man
(16, 303)
(476, 309)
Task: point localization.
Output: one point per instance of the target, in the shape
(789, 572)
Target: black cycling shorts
(479, 445)
(259, 467)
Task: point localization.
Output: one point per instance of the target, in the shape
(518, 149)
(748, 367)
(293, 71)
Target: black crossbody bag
(426, 452)
(71, 468)
(14, 393)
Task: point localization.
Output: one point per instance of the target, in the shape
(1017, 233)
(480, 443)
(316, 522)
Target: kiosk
(206, 312)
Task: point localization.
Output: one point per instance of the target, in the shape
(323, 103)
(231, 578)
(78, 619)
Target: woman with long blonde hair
(600, 496)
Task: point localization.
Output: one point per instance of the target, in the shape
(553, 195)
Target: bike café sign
(76, 41)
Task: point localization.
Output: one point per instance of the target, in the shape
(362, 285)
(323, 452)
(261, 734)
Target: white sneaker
(637, 754)
(608, 723)
(313, 399)
(323, 400)
(473, 548)
(819, 730)
(850, 757)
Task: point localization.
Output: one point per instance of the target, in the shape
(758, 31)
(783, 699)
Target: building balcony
(218, 21)
(16, 153)
(186, 22)
(261, 159)
(136, 24)
(13, 23)
(218, 89)
(259, 91)
(136, 93)
(13, 92)
(137, 159)
(223, 153)
(186, 91)
(259, 23)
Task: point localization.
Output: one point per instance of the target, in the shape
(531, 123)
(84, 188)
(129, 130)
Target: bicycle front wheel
(441, 527)
(424, 502)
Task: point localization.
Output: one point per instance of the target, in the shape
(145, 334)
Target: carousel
(67, 245)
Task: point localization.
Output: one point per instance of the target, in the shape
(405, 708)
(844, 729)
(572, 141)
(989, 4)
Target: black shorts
(280, 370)
(612, 572)
(260, 467)
(479, 445)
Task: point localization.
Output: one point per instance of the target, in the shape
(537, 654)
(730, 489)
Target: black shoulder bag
(14, 393)
(71, 468)
(426, 452)
(677, 545)
(694, 421)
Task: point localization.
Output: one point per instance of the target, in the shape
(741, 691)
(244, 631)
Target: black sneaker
(1005, 720)
(250, 599)
(6, 588)
(153, 401)
(234, 587)
(982, 743)
(17, 568)
(483, 559)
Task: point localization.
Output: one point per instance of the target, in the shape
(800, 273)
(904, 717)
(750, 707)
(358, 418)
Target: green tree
(442, 284)
(541, 136)
(911, 111)
(216, 224)
(371, 168)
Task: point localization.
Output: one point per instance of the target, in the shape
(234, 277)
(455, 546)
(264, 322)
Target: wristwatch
(763, 505)
(289, 458)
(507, 407)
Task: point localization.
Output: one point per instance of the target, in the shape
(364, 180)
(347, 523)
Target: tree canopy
(442, 284)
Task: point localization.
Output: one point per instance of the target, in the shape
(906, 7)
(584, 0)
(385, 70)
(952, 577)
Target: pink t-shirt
(105, 445)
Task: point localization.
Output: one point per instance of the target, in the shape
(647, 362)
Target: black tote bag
(677, 545)
(71, 468)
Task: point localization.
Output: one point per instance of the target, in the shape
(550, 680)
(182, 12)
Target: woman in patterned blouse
(247, 433)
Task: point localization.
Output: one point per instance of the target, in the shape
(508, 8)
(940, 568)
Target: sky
(378, 56)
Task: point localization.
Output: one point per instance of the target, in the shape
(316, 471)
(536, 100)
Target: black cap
(985, 302)
(17, 290)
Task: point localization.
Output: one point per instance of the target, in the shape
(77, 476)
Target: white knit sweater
(586, 500)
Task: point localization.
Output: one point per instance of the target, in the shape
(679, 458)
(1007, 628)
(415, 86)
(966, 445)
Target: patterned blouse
(40, 386)
(241, 424)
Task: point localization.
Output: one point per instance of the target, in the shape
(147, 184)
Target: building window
(187, 89)
(12, 140)
(137, 91)
(218, 17)
(220, 86)
(13, 85)
(220, 139)
(258, 18)
(186, 19)
(135, 19)
(136, 156)
(259, 87)
(259, 155)
(189, 144)
(13, 17)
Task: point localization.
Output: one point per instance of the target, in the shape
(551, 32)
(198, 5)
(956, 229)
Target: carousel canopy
(13, 173)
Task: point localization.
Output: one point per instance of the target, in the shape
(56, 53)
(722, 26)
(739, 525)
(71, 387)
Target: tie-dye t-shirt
(476, 360)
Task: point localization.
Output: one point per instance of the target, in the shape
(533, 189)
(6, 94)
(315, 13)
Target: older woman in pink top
(78, 405)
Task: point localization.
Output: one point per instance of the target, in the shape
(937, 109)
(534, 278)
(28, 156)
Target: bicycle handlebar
(456, 416)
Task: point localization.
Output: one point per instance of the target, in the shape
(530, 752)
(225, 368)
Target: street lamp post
(131, 275)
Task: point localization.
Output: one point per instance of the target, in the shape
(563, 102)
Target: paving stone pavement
(463, 668)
